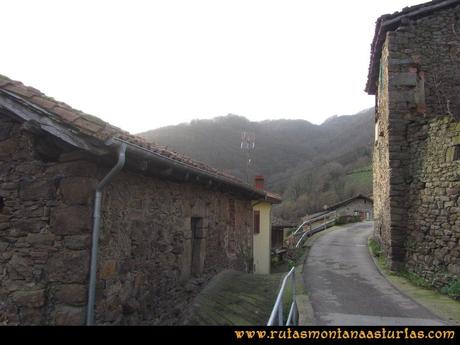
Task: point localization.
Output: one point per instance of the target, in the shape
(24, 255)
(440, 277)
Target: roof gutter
(56, 129)
(123, 148)
(97, 230)
(157, 158)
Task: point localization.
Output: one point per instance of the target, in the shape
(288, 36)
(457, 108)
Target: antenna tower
(248, 144)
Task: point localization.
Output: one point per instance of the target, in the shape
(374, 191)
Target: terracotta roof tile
(88, 126)
(42, 102)
(274, 198)
(65, 114)
(99, 129)
(17, 89)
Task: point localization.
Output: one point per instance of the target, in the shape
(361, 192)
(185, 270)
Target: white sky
(145, 64)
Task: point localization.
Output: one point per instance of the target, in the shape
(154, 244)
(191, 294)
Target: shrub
(347, 219)
(453, 289)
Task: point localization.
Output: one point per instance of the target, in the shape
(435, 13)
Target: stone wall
(415, 172)
(360, 205)
(144, 276)
(433, 247)
(381, 162)
(147, 244)
(44, 230)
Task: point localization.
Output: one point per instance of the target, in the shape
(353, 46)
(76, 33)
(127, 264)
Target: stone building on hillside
(359, 206)
(415, 74)
(167, 223)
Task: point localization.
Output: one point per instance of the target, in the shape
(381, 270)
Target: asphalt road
(346, 288)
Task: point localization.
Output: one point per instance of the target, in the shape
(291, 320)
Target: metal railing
(327, 219)
(277, 315)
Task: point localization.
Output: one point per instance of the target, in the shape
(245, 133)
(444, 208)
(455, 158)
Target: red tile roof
(274, 198)
(92, 126)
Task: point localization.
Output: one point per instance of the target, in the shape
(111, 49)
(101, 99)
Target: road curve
(346, 288)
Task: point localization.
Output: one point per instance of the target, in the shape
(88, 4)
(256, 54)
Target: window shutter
(256, 222)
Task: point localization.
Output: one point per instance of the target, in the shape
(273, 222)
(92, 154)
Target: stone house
(414, 73)
(167, 223)
(358, 206)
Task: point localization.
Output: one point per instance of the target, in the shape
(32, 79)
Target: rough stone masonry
(146, 275)
(415, 74)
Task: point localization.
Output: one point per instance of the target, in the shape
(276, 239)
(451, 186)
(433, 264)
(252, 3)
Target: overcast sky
(146, 64)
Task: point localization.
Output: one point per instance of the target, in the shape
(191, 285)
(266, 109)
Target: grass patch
(443, 303)
(451, 290)
(360, 176)
(377, 253)
(414, 279)
(235, 298)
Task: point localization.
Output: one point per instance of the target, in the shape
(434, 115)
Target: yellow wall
(262, 240)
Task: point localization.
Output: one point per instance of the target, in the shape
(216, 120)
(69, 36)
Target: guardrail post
(294, 322)
(280, 314)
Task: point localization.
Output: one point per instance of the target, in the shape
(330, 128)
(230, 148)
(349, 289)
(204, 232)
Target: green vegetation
(346, 220)
(415, 287)
(236, 298)
(294, 256)
(290, 259)
(414, 278)
(452, 290)
(359, 177)
(310, 165)
(377, 253)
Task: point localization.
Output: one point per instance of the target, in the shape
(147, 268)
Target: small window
(2, 203)
(456, 152)
(256, 223)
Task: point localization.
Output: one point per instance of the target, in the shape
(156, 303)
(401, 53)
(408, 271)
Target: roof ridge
(97, 128)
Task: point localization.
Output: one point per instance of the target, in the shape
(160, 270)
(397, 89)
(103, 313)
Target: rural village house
(359, 206)
(263, 229)
(167, 223)
(415, 74)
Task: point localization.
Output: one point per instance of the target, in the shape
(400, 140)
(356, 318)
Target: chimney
(259, 182)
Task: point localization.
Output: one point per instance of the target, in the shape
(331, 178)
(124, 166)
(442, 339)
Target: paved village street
(346, 288)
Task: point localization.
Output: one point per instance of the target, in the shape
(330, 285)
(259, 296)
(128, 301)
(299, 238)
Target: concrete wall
(146, 246)
(262, 240)
(416, 180)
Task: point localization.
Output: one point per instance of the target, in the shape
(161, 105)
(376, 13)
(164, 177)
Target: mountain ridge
(300, 160)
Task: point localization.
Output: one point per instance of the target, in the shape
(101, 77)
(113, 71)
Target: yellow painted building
(262, 238)
(262, 211)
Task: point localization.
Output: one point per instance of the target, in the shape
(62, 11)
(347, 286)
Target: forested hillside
(309, 165)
